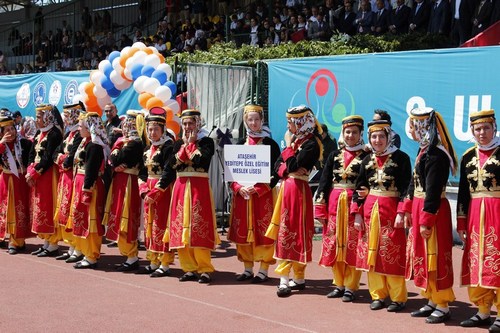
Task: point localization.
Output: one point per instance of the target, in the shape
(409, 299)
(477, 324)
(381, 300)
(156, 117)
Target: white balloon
(116, 63)
(95, 77)
(124, 85)
(81, 87)
(139, 84)
(116, 78)
(150, 85)
(163, 93)
(172, 103)
(165, 68)
(140, 56)
(152, 60)
(125, 50)
(127, 74)
(129, 63)
(154, 49)
(77, 98)
(102, 102)
(103, 64)
(139, 45)
(99, 92)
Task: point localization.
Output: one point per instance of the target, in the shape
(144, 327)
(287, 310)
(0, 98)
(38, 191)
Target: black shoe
(38, 251)
(204, 278)
(47, 253)
(246, 275)
(348, 296)
(495, 327)
(297, 286)
(112, 244)
(12, 250)
(145, 270)
(443, 316)
(126, 267)
(63, 256)
(283, 291)
(476, 321)
(3, 244)
(396, 306)
(423, 313)
(377, 305)
(84, 264)
(336, 293)
(260, 278)
(73, 258)
(189, 276)
(160, 272)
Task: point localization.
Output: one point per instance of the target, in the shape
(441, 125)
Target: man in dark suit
(481, 16)
(461, 20)
(419, 16)
(439, 21)
(345, 23)
(399, 18)
(364, 18)
(319, 29)
(381, 20)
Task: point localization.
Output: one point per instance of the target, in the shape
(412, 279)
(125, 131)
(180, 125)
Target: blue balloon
(161, 76)
(172, 86)
(136, 71)
(147, 70)
(106, 83)
(113, 55)
(108, 69)
(113, 92)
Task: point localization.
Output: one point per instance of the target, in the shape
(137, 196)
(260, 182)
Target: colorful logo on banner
(70, 91)
(39, 93)
(55, 92)
(23, 95)
(322, 93)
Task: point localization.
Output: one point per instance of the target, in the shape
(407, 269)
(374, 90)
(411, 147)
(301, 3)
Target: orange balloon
(153, 102)
(148, 50)
(143, 99)
(170, 113)
(89, 88)
(162, 58)
(132, 50)
(174, 126)
(91, 102)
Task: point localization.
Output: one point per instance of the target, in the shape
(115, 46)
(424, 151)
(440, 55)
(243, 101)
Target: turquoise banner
(454, 82)
(25, 92)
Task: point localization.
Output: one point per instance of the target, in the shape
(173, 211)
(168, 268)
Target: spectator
(419, 17)
(439, 21)
(399, 18)
(58, 67)
(109, 41)
(125, 41)
(159, 45)
(41, 62)
(19, 68)
(364, 18)
(319, 29)
(481, 16)
(186, 10)
(13, 36)
(199, 9)
(3, 59)
(3, 70)
(107, 22)
(381, 19)
(28, 69)
(66, 28)
(38, 21)
(86, 25)
(254, 38)
(67, 63)
(345, 22)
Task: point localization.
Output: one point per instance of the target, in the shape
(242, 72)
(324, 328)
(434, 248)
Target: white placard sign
(247, 164)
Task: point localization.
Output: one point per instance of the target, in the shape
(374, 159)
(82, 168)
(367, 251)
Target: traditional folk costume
(44, 174)
(381, 246)
(331, 204)
(292, 223)
(191, 225)
(478, 206)
(122, 214)
(157, 187)
(429, 260)
(14, 191)
(87, 203)
(250, 216)
(63, 159)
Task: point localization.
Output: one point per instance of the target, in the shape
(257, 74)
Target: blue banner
(454, 82)
(25, 92)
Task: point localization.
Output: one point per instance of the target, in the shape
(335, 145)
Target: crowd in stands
(196, 25)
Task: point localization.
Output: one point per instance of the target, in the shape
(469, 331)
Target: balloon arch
(139, 66)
